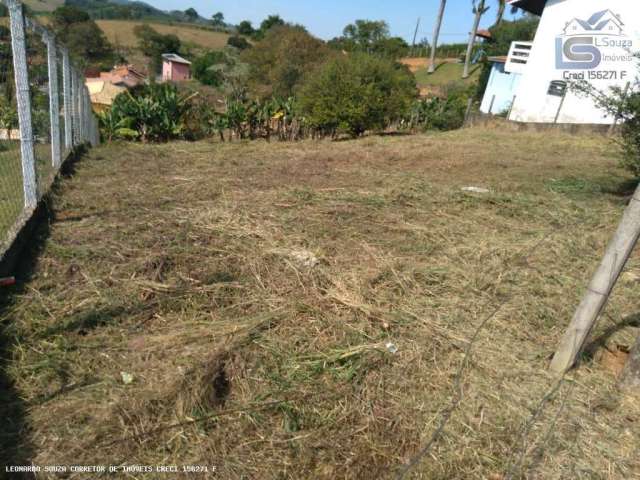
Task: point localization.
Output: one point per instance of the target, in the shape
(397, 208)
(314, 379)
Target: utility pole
(598, 292)
(479, 10)
(415, 36)
(436, 35)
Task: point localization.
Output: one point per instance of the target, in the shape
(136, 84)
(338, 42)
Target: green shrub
(627, 108)
(624, 105)
(238, 42)
(153, 113)
(441, 113)
(355, 93)
(279, 62)
(204, 68)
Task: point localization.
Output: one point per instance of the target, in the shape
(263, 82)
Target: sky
(327, 18)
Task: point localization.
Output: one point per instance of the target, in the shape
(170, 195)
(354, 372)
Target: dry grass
(43, 5)
(120, 32)
(251, 291)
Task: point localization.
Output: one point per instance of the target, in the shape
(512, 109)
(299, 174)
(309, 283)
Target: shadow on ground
(15, 443)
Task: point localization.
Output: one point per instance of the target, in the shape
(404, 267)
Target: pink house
(175, 68)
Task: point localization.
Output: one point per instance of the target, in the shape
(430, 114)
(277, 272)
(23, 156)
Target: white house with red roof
(577, 41)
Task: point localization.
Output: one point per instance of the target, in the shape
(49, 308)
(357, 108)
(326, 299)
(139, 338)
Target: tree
(238, 42)
(82, 36)
(436, 35)
(278, 62)
(218, 19)
(270, 22)
(479, 9)
(204, 68)
(246, 28)
(154, 44)
(502, 6)
(366, 33)
(66, 16)
(191, 14)
(370, 37)
(356, 93)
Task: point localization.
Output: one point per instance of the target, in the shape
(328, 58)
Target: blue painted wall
(501, 84)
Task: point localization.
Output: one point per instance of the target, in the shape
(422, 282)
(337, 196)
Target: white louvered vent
(518, 57)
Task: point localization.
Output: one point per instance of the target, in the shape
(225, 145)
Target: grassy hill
(195, 39)
(445, 74)
(120, 33)
(43, 5)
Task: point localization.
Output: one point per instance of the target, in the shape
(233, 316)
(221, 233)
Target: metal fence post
(67, 95)
(54, 98)
(23, 97)
(74, 108)
(81, 109)
(87, 114)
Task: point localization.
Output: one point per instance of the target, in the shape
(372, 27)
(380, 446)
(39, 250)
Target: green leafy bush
(204, 68)
(625, 105)
(153, 113)
(238, 42)
(622, 104)
(279, 62)
(440, 113)
(355, 93)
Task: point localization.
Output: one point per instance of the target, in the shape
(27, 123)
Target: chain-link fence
(45, 113)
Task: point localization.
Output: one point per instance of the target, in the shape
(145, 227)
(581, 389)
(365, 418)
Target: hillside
(445, 74)
(43, 5)
(120, 33)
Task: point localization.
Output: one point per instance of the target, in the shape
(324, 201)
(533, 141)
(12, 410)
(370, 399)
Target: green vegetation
(154, 45)
(152, 113)
(238, 42)
(136, 10)
(441, 113)
(86, 42)
(355, 93)
(279, 62)
(446, 74)
(371, 37)
(624, 105)
(205, 68)
(267, 24)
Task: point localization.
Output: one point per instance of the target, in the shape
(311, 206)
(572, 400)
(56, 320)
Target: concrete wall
(175, 72)
(501, 88)
(578, 40)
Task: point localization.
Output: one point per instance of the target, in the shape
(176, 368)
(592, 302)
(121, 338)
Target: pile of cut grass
(303, 310)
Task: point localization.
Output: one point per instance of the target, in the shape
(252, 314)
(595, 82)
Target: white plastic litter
(476, 190)
(127, 378)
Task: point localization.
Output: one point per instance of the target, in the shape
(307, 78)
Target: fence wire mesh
(39, 89)
(45, 113)
(11, 191)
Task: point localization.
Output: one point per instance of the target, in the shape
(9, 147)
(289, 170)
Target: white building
(577, 40)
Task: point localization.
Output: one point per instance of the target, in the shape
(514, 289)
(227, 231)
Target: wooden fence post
(600, 288)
